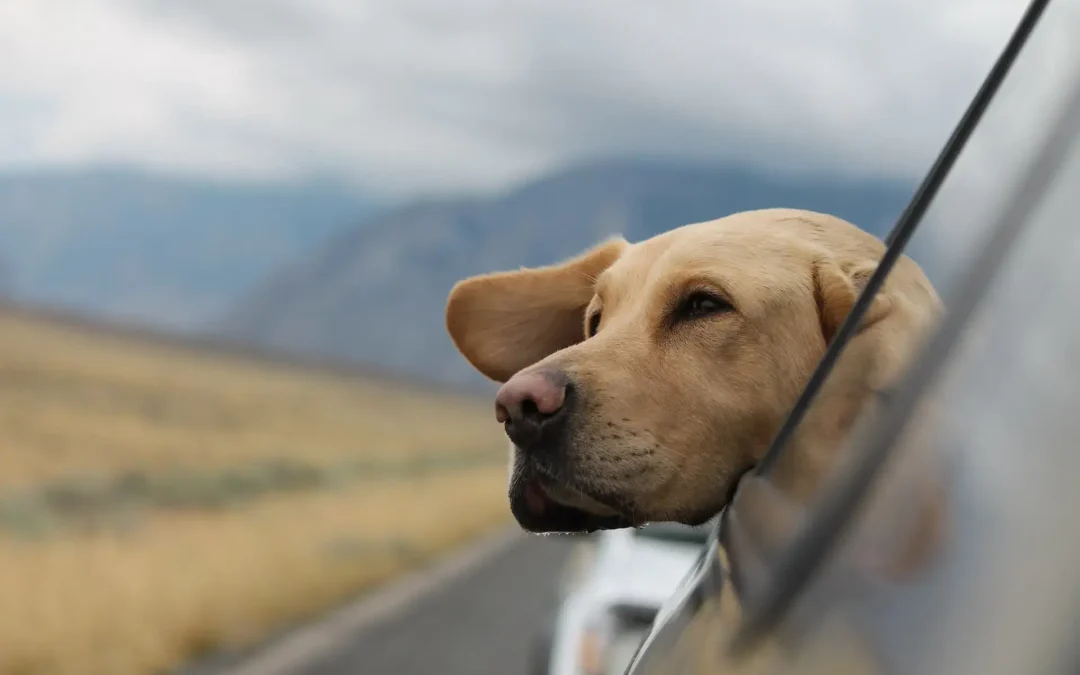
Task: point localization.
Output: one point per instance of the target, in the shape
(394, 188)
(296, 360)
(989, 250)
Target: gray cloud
(426, 95)
(1011, 132)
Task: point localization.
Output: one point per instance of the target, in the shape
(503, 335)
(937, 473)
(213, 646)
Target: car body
(989, 407)
(613, 584)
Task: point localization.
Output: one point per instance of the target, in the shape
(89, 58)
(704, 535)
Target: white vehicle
(612, 588)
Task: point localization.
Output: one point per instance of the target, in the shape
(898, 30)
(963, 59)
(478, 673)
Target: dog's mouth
(542, 504)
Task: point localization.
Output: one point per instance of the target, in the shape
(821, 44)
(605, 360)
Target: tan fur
(671, 415)
(506, 321)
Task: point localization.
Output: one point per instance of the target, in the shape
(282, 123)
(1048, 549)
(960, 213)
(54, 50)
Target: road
(476, 613)
(482, 624)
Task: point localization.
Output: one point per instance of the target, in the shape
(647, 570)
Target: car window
(844, 369)
(1001, 593)
(1023, 90)
(1033, 96)
(961, 220)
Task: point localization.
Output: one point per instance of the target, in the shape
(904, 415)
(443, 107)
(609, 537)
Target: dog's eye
(702, 303)
(594, 324)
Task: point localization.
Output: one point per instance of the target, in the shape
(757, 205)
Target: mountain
(160, 250)
(375, 294)
(7, 282)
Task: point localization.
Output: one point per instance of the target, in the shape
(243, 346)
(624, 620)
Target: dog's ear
(836, 287)
(888, 336)
(506, 321)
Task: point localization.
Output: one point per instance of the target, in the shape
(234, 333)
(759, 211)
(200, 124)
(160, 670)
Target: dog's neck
(823, 439)
(774, 507)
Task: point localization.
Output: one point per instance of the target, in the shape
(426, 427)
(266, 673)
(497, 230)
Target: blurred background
(228, 228)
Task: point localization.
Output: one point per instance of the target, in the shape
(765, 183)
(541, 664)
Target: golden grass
(75, 402)
(109, 605)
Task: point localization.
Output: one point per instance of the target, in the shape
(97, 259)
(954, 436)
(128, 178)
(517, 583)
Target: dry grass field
(157, 502)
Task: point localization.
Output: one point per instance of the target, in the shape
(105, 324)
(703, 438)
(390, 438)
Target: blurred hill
(6, 280)
(167, 251)
(375, 293)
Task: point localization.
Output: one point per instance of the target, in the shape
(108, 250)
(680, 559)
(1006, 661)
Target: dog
(641, 380)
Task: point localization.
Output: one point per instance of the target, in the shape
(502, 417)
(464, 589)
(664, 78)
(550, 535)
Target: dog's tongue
(535, 499)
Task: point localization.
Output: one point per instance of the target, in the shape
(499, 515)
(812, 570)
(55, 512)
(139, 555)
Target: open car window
(989, 412)
(989, 399)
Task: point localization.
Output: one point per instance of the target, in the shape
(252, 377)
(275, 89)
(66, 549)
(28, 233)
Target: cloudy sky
(407, 96)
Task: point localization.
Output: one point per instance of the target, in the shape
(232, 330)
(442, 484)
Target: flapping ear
(837, 287)
(506, 321)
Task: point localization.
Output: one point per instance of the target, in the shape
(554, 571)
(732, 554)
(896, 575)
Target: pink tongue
(535, 499)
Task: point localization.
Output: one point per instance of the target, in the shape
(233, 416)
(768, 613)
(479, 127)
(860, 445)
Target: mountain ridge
(171, 251)
(375, 293)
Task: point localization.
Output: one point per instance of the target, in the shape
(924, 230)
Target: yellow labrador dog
(641, 380)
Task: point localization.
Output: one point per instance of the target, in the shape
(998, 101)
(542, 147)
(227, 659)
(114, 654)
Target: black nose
(527, 426)
(532, 406)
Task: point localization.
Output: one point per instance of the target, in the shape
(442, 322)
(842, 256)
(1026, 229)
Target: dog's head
(641, 380)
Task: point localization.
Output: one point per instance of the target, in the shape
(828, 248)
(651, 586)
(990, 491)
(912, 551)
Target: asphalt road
(477, 612)
(482, 624)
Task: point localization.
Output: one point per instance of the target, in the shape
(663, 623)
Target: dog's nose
(527, 402)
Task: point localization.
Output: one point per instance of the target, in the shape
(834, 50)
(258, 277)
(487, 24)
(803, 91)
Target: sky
(410, 97)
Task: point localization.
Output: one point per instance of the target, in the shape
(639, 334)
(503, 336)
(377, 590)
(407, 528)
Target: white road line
(300, 648)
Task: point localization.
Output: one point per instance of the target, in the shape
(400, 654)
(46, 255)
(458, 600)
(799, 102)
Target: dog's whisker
(588, 277)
